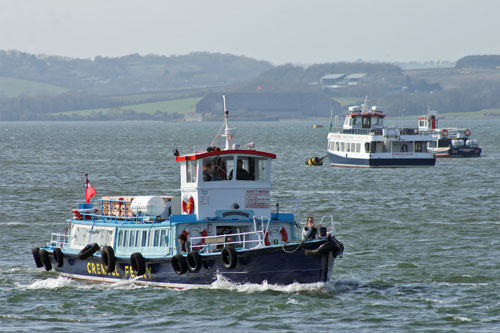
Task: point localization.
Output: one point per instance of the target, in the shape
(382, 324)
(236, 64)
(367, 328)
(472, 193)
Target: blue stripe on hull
(270, 264)
(337, 160)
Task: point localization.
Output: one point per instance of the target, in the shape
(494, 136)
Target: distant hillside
(479, 61)
(132, 73)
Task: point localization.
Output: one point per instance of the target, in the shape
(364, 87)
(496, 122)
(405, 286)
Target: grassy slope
(10, 87)
(182, 106)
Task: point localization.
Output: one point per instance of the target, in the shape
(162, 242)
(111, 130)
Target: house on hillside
(266, 106)
(335, 81)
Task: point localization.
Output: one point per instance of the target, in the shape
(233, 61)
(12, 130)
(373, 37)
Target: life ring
(58, 257)
(138, 263)
(284, 236)
(36, 256)
(193, 261)
(179, 264)
(108, 258)
(444, 132)
(228, 257)
(203, 233)
(467, 132)
(44, 257)
(188, 205)
(88, 251)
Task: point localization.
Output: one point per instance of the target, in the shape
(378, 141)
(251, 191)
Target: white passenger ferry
(365, 141)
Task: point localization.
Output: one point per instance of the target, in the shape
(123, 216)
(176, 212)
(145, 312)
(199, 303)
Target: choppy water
(422, 245)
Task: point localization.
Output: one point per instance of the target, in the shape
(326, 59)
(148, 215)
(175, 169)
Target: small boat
(221, 225)
(317, 126)
(365, 141)
(448, 142)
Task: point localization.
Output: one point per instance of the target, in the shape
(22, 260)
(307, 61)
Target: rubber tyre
(228, 257)
(179, 264)
(108, 258)
(58, 257)
(36, 256)
(138, 263)
(193, 261)
(44, 257)
(88, 251)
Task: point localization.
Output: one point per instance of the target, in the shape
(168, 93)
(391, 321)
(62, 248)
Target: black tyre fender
(88, 251)
(108, 258)
(179, 264)
(193, 261)
(36, 256)
(44, 257)
(228, 257)
(58, 257)
(138, 263)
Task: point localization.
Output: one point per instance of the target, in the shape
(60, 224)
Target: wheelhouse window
(191, 171)
(250, 169)
(366, 122)
(216, 168)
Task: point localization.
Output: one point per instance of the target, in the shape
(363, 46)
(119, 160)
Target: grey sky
(280, 31)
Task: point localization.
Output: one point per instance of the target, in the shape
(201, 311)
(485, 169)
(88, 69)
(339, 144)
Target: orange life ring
(203, 234)
(467, 132)
(444, 132)
(188, 205)
(284, 236)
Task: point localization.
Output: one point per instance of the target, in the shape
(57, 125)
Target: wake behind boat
(220, 225)
(365, 141)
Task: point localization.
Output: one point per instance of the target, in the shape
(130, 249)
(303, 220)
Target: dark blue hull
(460, 152)
(272, 264)
(337, 160)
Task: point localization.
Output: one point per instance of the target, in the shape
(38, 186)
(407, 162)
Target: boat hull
(459, 152)
(275, 265)
(395, 162)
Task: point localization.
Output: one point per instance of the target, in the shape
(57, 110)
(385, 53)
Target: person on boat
(241, 174)
(309, 231)
(184, 243)
(210, 173)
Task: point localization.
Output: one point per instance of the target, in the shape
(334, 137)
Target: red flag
(89, 189)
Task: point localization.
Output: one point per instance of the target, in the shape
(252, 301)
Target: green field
(182, 106)
(10, 87)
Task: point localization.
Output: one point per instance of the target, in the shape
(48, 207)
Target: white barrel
(148, 206)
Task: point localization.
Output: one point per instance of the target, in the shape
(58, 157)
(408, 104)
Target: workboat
(449, 141)
(221, 225)
(365, 141)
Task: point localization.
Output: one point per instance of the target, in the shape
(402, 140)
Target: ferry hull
(271, 264)
(337, 160)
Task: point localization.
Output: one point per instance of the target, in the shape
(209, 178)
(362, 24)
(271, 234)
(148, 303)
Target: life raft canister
(444, 132)
(467, 132)
(188, 205)
(284, 235)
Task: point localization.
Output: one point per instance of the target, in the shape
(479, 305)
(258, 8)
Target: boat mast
(229, 132)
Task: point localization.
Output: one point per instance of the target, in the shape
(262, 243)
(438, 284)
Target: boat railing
(218, 242)
(58, 240)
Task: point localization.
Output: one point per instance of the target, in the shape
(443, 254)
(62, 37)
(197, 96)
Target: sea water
(422, 245)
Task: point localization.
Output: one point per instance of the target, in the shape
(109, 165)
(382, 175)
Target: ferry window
(358, 145)
(144, 238)
(355, 121)
(162, 238)
(418, 146)
(366, 122)
(120, 237)
(373, 147)
(191, 171)
(353, 146)
(342, 146)
(131, 240)
(350, 121)
(125, 236)
(337, 148)
(377, 121)
(432, 144)
(367, 147)
(215, 168)
(157, 235)
(250, 168)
